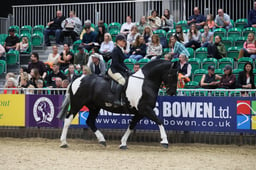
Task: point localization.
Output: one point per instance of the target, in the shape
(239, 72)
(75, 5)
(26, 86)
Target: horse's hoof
(103, 143)
(123, 147)
(165, 145)
(64, 146)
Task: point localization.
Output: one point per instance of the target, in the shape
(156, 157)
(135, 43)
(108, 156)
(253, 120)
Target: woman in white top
(126, 27)
(194, 37)
(24, 44)
(155, 49)
(133, 34)
(154, 20)
(53, 57)
(107, 47)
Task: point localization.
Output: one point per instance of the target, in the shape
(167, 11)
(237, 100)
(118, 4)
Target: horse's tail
(65, 105)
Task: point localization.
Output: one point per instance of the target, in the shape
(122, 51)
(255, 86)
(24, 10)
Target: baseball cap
(80, 47)
(211, 67)
(120, 37)
(227, 67)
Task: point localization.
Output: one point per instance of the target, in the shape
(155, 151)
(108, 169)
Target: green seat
(241, 22)
(114, 26)
(185, 31)
(175, 60)
(201, 30)
(143, 61)
(219, 71)
(227, 41)
(232, 22)
(26, 29)
(233, 52)
(162, 92)
(160, 33)
(37, 39)
(12, 57)
(38, 28)
(236, 72)
(209, 61)
(183, 23)
(113, 34)
(129, 63)
(247, 30)
(76, 44)
(254, 72)
(235, 93)
(234, 32)
(239, 42)
(195, 63)
(170, 33)
(242, 61)
(2, 38)
(197, 75)
(166, 51)
(191, 52)
(226, 61)
(105, 25)
(201, 53)
(220, 31)
(16, 28)
(191, 85)
(3, 67)
(28, 35)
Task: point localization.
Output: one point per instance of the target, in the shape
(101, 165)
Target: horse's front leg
(63, 138)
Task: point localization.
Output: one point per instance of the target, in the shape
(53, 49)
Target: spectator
(136, 67)
(138, 49)
(126, 27)
(54, 28)
(71, 73)
(58, 84)
(12, 41)
(53, 57)
(194, 37)
(50, 79)
(81, 58)
(252, 16)
(207, 37)
(197, 19)
(147, 34)
(87, 23)
(66, 57)
(97, 66)
(222, 20)
(35, 76)
(24, 45)
(72, 26)
(180, 35)
(228, 80)
(24, 80)
(167, 21)
(40, 85)
(100, 34)
(89, 37)
(133, 34)
(142, 24)
(2, 52)
(177, 48)
(36, 63)
(210, 80)
(184, 71)
(249, 48)
(107, 47)
(154, 49)
(86, 70)
(65, 83)
(210, 22)
(246, 77)
(154, 20)
(23, 70)
(94, 50)
(10, 83)
(217, 50)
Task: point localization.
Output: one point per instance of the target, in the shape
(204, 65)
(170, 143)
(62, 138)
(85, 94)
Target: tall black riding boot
(118, 100)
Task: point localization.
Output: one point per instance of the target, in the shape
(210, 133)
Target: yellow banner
(12, 110)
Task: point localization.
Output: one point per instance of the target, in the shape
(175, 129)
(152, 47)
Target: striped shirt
(179, 48)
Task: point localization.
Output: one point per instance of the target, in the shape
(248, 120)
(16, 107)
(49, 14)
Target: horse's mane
(155, 64)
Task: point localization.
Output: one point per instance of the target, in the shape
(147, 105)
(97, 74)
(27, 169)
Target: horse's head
(170, 80)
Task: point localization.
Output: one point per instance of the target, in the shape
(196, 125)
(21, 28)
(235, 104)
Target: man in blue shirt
(89, 38)
(197, 19)
(252, 16)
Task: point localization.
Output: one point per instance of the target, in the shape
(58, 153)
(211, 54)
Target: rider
(118, 69)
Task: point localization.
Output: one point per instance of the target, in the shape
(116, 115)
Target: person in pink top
(249, 49)
(210, 21)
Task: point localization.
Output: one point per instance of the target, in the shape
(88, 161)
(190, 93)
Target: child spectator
(210, 22)
(24, 45)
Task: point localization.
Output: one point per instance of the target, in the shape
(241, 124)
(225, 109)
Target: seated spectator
(87, 22)
(252, 16)
(36, 63)
(217, 50)
(133, 34)
(81, 58)
(24, 80)
(65, 83)
(58, 84)
(12, 41)
(147, 34)
(210, 80)
(126, 27)
(154, 49)
(53, 57)
(66, 57)
(154, 20)
(72, 26)
(138, 49)
(127, 49)
(142, 24)
(246, 77)
(23, 45)
(207, 37)
(197, 19)
(228, 80)
(210, 22)
(86, 70)
(136, 67)
(2, 52)
(97, 66)
(180, 35)
(50, 78)
(71, 73)
(89, 37)
(94, 50)
(177, 48)
(10, 83)
(54, 28)
(107, 47)
(40, 85)
(194, 37)
(249, 48)
(22, 70)
(100, 34)
(184, 71)
(222, 20)
(34, 76)
(167, 21)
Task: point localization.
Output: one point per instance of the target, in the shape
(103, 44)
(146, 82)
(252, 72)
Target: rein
(137, 77)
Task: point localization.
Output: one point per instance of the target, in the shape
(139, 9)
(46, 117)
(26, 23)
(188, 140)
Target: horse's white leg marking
(67, 123)
(125, 137)
(163, 135)
(99, 136)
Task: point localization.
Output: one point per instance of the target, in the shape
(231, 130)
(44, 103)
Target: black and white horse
(142, 90)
